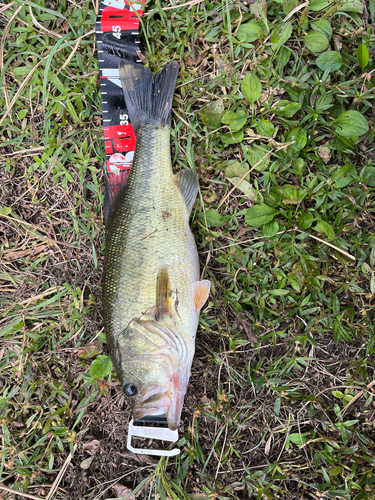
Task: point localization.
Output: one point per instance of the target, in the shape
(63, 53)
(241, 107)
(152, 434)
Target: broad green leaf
(335, 471)
(329, 59)
(324, 27)
(316, 5)
(101, 367)
(89, 350)
(306, 220)
(214, 218)
(368, 176)
(211, 118)
(245, 187)
(325, 228)
(363, 56)
(249, 32)
(235, 120)
(300, 137)
(316, 41)
(298, 166)
(352, 6)
(259, 9)
(257, 153)
(291, 194)
(297, 438)
(338, 394)
(344, 176)
(270, 229)
(259, 215)
(265, 128)
(286, 108)
(251, 88)
(85, 464)
(232, 137)
(351, 123)
(289, 5)
(281, 34)
(237, 169)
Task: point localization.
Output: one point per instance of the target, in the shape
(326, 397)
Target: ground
(281, 398)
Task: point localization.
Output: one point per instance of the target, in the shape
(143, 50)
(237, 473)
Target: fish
(152, 291)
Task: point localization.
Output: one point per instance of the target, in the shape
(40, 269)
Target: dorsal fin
(187, 183)
(163, 294)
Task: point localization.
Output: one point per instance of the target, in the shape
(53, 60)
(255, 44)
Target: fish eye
(130, 389)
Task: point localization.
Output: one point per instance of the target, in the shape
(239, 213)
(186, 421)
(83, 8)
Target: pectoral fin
(187, 183)
(201, 292)
(163, 295)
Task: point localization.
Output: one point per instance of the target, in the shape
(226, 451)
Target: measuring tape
(117, 37)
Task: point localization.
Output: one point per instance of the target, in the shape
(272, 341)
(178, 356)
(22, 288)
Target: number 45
(116, 31)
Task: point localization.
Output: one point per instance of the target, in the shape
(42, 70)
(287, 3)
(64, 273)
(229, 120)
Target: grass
(281, 399)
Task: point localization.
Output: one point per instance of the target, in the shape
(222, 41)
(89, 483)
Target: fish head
(154, 369)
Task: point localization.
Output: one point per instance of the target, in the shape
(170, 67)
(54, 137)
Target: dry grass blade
(52, 33)
(20, 493)
(330, 245)
(60, 475)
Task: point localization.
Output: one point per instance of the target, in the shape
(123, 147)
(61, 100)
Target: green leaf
(338, 394)
(372, 10)
(249, 32)
(251, 88)
(329, 60)
(232, 137)
(297, 438)
(235, 120)
(101, 367)
(237, 169)
(214, 218)
(259, 9)
(88, 351)
(265, 128)
(246, 189)
(211, 118)
(319, 4)
(289, 5)
(286, 108)
(344, 176)
(368, 176)
(351, 123)
(270, 229)
(300, 137)
(363, 56)
(325, 228)
(352, 6)
(255, 154)
(336, 471)
(5, 210)
(306, 220)
(324, 27)
(280, 35)
(259, 215)
(316, 41)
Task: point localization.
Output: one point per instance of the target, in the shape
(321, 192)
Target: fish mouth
(158, 399)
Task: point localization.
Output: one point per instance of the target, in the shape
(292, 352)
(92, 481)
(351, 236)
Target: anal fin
(187, 183)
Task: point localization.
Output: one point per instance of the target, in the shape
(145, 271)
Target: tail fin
(148, 97)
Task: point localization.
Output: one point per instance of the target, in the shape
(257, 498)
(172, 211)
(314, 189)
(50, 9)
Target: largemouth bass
(152, 294)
